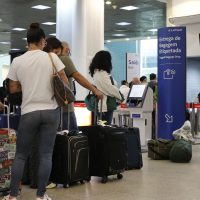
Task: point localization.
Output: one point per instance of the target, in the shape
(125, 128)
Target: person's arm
(86, 84)
(14, 86)
(59, 67)
(103, 80)
(63, 76)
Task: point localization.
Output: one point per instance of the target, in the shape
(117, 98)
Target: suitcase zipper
(77, 156)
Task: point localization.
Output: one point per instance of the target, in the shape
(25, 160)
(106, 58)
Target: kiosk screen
(137, 91)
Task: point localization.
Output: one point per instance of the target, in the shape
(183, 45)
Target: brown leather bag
(62, 92)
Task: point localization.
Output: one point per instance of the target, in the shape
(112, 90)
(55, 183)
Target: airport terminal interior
(136, 33)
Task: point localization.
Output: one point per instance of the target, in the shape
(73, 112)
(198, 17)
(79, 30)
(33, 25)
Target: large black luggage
(108, 150)
(70, 159)
(134, 160)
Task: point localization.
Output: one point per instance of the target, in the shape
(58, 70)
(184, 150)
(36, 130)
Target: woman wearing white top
(100, 69)
(31, 73)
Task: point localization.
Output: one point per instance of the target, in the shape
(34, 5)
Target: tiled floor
(157, 180)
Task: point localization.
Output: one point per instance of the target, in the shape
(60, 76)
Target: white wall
(187, 13)
(193, 44)
(185, 7)
(4, 67)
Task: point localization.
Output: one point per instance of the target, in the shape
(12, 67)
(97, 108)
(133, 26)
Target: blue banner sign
(171, 80)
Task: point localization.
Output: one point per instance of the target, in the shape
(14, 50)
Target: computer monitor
(136, 95)
(137, 91)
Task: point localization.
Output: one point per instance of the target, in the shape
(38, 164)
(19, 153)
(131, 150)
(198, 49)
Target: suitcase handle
(7, 108)
(95, 110)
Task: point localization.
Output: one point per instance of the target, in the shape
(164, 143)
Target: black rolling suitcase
(134, 160)
(108, 150)
(70, 159)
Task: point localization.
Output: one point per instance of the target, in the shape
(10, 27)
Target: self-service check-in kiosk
(138, 112)
(140, 106)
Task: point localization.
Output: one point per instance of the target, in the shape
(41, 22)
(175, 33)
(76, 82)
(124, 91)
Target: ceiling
(18, 13)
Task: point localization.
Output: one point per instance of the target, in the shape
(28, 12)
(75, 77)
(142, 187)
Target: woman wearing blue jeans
(31, 73)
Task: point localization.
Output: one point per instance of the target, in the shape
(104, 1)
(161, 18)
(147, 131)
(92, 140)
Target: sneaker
(7, 198)
(46, 197)
(51, 186)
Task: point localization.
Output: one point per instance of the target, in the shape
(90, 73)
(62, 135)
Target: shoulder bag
(62, 92)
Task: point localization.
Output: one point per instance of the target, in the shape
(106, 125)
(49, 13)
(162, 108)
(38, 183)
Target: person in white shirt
(31, 73)
(124, 89)
(100, 69)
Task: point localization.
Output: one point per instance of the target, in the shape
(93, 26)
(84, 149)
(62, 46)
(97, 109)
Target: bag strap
(112, 81)
(53, 65)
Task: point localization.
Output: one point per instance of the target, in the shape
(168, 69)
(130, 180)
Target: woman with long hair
(100, 69)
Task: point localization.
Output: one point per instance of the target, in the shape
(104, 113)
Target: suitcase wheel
(104, 179)
(66, 185)
(82, 182)
(88, 179)
(119, 176)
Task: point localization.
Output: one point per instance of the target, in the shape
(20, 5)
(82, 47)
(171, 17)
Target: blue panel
(171, 80)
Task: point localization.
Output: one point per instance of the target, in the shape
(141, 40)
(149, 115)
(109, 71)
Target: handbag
(62, 92)
(91, 102)
(111, 103)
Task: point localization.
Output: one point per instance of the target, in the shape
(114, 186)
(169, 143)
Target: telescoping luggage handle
(95, 110)
(61, 119)
(7, 108)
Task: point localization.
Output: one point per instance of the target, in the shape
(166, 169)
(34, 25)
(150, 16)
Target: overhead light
(108, 2)
(49, 23)
(123, 23)
(4, 42)
(148, 38)
(24, 38)
(127, 39)
(18, 29)
(108, 41)
(153, 30)
(120, 30)
(118, 35)
(0, 20)
(15, 49)
(129, 8)
(41, 7)
(53, 34)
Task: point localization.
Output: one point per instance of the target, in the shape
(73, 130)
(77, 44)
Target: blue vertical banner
(171, 80)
